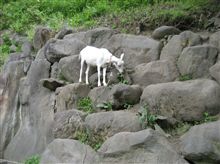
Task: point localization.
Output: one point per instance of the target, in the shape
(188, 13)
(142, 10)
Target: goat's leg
(87, 74)
(98, 69)
(104, 77)
(81, 69)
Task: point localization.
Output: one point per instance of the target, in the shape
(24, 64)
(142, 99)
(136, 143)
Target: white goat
(99, 57)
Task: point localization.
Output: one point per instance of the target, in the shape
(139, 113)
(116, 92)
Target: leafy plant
(33, 160)
(95, 141)
(105, 105)
(85, 104)
(127, 106)
(121, 78)
(208, 118)
(185, 77)
(146, 118)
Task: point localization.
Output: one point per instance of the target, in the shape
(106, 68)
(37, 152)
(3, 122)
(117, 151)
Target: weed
(127, 105)
(33, 160)
(95, 141)
(185, 77)
(85, 104)
(106, 105)
(121, 79)
(179, 129)
(146, 118)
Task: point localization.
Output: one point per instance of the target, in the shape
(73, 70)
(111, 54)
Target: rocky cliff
(172, 76)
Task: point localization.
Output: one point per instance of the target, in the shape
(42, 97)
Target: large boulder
(57, 49)
(117, 96)
(10, 81)
(163, 31)
(34, 131)
(67, 123)
(214, 71)
(51, 83)
(112, 77)
(137, 49)
(185, 101)
(214, 40)
(110, 123)
(64, 31)
(95, 37)
(41, 36)
(34, 110)
(201, 143)
(175, 45)
(69, 151)
(197, 60)
(68, 96)
(70, 68)
(154, 72)
(145, 146)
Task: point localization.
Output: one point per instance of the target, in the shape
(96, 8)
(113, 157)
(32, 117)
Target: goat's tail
(79, 56)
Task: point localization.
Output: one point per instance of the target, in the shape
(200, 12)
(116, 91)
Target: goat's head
(119, 65)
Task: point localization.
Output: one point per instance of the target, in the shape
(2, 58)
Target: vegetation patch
(108, 106)
(85, 104)
(95, 141)
(185, 77)
(121, 78)
(33, 160)
(146, 118)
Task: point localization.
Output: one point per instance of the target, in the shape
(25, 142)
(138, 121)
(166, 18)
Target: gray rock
(175, 45)
(67, 123)
(68, 96)
(34, 131)
(182, 100)
(118, 95)
(39, 69)
(69, 151)
(112, 77)
(197, 60)
(137, 49)
(41, 36)
(54, 71)
(110, 123)
(70, 67)
(26, 48)
(145, 146)
(12, 48)
(214, 40)
(34, 114)
(154, 72)
(163, 31)
(51, 83)
(214, 71)
(57, 49)
(64, 31)
(95, 37)
(9, 101)
(201, 143)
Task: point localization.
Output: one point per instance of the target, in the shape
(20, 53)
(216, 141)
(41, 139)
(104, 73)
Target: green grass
(85, 104)
(23, 15)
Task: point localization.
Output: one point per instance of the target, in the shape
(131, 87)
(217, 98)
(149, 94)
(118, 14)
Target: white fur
(99, 57)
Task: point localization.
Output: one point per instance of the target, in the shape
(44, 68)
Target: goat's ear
(122, 55)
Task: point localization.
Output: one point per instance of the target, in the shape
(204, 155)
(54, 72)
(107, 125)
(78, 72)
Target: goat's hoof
(105, 85)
